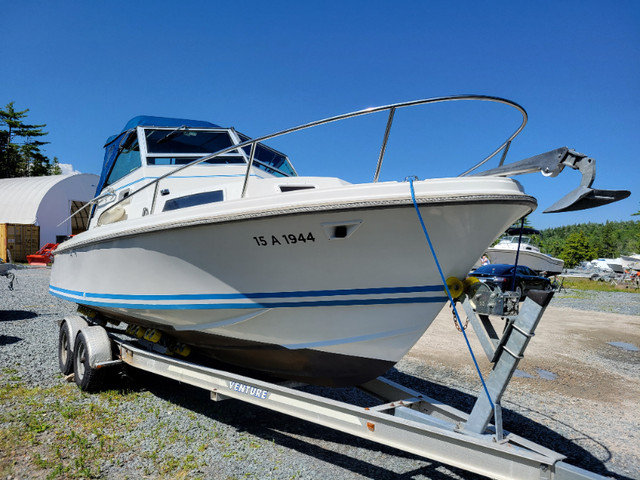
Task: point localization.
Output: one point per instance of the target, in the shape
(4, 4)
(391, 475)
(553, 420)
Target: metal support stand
(510, 350)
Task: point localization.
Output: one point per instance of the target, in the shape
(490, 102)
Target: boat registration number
(283, 239)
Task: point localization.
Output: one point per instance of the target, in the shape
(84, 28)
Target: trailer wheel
(86, 377)
(92, 347)
(65, 352)
(69, 328)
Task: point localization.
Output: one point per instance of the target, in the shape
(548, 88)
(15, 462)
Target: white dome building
(45, 202)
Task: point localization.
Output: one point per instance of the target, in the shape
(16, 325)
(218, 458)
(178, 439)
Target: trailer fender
(98, 345)
(92, 347)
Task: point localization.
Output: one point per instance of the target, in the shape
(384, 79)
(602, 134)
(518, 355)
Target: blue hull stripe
(102, 300)
(248, 296)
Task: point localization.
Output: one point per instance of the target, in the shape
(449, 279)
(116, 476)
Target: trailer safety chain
(459, 326)
(446, 288)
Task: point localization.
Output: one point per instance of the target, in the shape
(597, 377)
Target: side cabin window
(269, 160)
(127, 160)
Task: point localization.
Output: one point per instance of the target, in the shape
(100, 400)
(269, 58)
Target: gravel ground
(625, 303)
(172, 430)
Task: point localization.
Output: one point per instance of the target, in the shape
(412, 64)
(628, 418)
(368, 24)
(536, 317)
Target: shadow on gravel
(284, 430)
(13, 315)
(9, 340)
(521, 425)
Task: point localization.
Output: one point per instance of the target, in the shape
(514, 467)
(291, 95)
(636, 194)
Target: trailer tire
(91, 347)
(69, 328)
(65, 352)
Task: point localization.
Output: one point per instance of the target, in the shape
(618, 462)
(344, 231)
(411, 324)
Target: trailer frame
(402, 418)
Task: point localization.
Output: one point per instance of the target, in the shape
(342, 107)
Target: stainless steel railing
(367, 111)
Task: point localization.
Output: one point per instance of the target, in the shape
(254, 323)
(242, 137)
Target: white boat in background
(630, 262)
(527, 252)
(616, 265)
(613, 265)
(201, 236)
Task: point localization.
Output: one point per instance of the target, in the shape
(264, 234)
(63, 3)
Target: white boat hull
(282, 294)
(537, 261)
(630, 262)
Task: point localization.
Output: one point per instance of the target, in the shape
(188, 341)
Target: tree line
(20, 146)
(588, 241)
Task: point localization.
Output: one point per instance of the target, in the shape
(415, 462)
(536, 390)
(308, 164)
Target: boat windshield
(183, 145)
(514, 239)
(186, 140)
(269, 159)
(127, 160)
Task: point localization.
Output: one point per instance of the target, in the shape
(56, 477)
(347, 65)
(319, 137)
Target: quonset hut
(34, 211)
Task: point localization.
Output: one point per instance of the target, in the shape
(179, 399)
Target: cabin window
(193, 200)
(293, 188)
(269, 160)
(127, 160)
(186, 140)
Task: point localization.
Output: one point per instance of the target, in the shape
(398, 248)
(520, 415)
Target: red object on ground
(44, 256)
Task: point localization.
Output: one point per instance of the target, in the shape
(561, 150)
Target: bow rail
(252, 143)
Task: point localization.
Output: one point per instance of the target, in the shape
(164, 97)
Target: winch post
(516, 338)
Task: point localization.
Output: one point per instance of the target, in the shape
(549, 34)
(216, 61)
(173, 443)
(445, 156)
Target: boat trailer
(402, 418)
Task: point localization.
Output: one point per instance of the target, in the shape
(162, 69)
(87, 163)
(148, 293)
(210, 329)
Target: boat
(630, 262)
(513, 245)
(608, 265)
(210, 240)
(615, 264)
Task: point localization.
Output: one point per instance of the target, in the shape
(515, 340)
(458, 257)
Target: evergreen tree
(20, 143)
(577, 249)
(609, 240)
(55, 168)
(9, 156)
(607, 245)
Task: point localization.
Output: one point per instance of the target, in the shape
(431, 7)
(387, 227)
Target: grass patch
(597, 286)
(62, 432)
(58, 431)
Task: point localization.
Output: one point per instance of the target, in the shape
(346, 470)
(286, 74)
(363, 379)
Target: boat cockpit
(152, 146)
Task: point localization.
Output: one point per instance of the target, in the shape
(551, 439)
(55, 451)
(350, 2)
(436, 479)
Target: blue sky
(86, 68)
